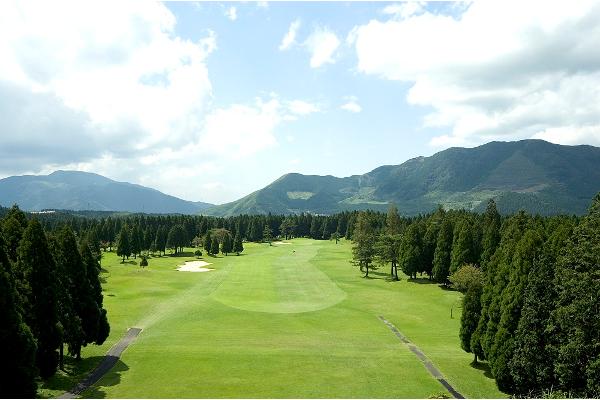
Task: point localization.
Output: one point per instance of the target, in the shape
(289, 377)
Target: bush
(465, 277)
(144, 262)
(198, 253)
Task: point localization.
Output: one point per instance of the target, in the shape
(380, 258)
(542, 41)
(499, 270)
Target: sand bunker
(195, 266)
(281, 243)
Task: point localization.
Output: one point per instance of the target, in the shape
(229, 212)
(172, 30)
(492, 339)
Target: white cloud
(322, 44)
(351, 104)
(116, 65)
(300, 107)
(405, 9)
(290, 37)
(231, 13)
(498, 70)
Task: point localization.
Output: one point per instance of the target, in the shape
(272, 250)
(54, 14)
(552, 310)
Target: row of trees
(50, 296)
(531, 284)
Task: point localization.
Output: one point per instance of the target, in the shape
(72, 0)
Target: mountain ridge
(79, 190)
(532, 174)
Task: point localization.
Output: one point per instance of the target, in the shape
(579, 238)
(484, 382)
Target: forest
(531, 284)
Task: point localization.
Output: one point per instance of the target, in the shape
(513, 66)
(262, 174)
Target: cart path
(426, 362)
(105, 365)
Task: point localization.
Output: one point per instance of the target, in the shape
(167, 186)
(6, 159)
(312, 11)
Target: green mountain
(75, 190)
(533, 175)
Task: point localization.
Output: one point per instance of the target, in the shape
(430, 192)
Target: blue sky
(210, 101)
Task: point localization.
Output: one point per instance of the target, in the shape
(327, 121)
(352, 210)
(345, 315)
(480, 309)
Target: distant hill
(533, 175)
(75, 190)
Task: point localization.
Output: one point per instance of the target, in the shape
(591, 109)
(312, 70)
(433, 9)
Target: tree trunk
(61, 356)
(475, 361)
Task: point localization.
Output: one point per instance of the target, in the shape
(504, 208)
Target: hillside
(75, 190)
(533, 175)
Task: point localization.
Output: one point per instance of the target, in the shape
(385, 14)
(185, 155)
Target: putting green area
(293, 321)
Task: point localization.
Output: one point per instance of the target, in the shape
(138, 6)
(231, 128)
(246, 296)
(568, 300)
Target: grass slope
(276, 323)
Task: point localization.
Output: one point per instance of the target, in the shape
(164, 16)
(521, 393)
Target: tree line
(50, 296)
(531, 284)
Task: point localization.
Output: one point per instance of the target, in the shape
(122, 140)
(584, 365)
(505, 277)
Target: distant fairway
(278, 321)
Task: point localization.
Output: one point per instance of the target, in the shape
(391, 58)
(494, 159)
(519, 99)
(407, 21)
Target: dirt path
(426, 362)
(107, 363)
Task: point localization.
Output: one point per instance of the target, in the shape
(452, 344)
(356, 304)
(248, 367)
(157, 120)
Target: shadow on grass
(130, 262)
(112, 378)
(183, 254)
(422, 281)
(483, 366)
(73, 372)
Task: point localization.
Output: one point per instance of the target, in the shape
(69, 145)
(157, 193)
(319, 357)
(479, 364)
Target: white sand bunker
(281, 243)
(195, 266)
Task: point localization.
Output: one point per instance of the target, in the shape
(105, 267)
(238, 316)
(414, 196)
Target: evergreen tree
(38, 290)
(491, 233)
(226, 245)
(335, 236)
(411, 251)
(18, 373)
(238, 247)
(442, 253)
(214, 246)
(95, 324)
(268, 235)
(363, 250)
(314, 228)
(123, 244)
(462, 246)
(135, 240)
(470, 317)
(12, 230)
(575, 321)
(207, 242)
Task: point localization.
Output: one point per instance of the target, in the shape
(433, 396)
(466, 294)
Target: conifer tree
(227, 245)
(462, 246)
(17, 375)
(238, 247)
(268, 234)
(470, 317)
(442, 253)
(491, 233)
(95, 323)
(123, 244)
(12, 230)
(214, 246)
(314, 228)
(36, 271)
(411, 251)
(363, 250)
(207, 242)
(135, 240)
(576, 318)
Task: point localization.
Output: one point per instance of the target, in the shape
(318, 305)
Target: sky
(210, 101)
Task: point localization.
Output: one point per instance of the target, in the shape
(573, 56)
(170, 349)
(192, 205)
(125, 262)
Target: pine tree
(207, 242)
(268, 234)
(12, 230)
(411, 251)
(135, 240)
(491, 233)
(123, 244)
(95, 322)
(363, 250)
(575, 321)
(470, 317)
(238, 247)
(442, 253)
(462, 246)
(38, 290)
(227, 245)
(17, 375)
(214, 246)
(314, 228)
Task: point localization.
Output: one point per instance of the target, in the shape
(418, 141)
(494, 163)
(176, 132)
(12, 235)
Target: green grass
(275, 323)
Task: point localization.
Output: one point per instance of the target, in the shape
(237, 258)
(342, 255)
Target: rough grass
(276, 323)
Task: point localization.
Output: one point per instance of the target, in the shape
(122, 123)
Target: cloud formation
(290, 37)
(351, 104)
(495, 71)
(322, 45)
(231, 13)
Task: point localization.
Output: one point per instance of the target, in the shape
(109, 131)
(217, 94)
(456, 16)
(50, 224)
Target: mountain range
(533, 175)
(76, 190)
